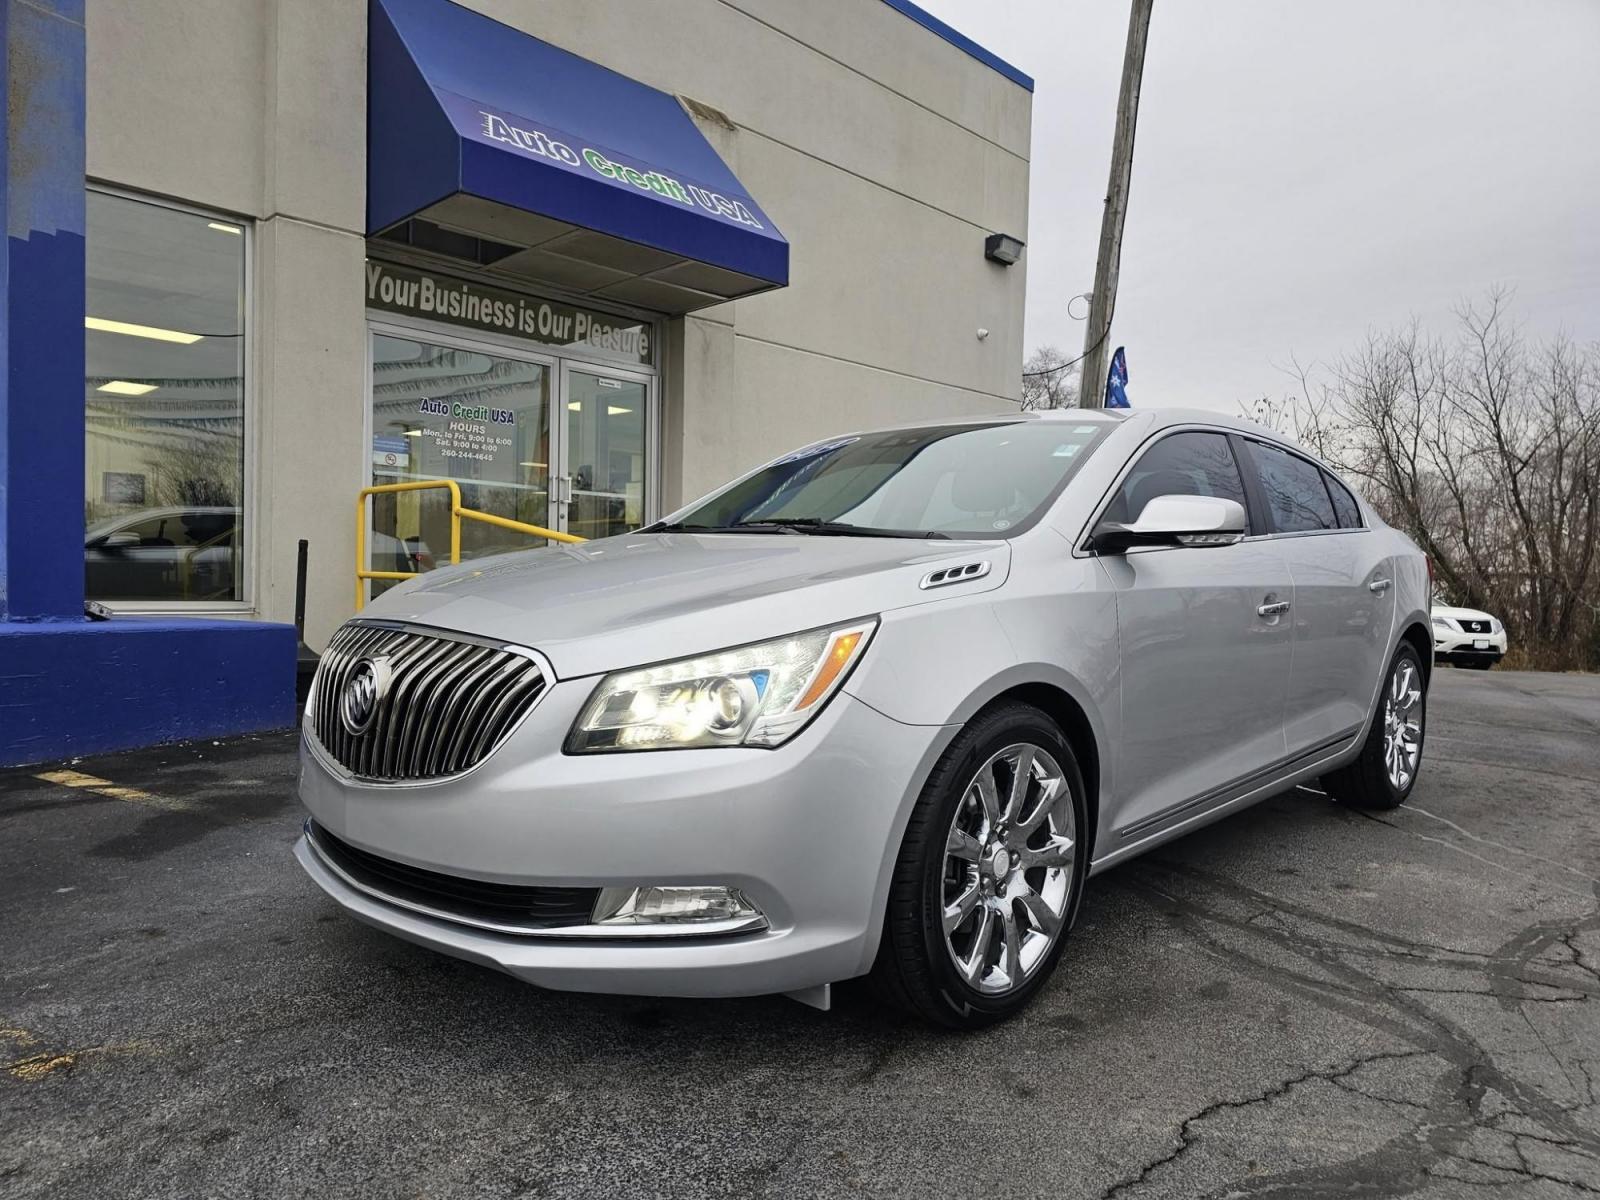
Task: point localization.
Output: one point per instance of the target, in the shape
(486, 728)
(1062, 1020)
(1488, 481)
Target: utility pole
(1092, 386)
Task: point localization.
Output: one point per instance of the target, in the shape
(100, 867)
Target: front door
(1203, 646)
(447, 410)
(558, 444)
(605, 451)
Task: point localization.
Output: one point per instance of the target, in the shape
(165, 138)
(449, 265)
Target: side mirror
(1175, 521)
(120, 540)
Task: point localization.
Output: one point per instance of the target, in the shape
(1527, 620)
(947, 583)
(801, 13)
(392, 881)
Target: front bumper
(1468, 647)
(808, 831)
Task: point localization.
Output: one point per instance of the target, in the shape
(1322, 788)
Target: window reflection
(1294, 489)
(164, 404)
(1182, 464)
(443, 412)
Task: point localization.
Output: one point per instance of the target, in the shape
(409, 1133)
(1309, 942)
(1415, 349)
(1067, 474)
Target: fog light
(672, 906)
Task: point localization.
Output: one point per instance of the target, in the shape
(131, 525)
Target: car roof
(114, 523)
(1154, 418)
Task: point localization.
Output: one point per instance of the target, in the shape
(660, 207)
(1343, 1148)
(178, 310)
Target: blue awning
(602, 184)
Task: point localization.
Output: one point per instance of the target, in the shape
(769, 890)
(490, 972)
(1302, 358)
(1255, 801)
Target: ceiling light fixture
(152, 332)
(220, 227)
(121, 387)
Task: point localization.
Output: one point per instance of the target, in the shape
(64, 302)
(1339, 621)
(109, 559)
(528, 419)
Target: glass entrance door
(443, 411)
(605, 449)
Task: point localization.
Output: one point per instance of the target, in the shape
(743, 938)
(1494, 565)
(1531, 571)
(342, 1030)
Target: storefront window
(164, 397)
(445, 412)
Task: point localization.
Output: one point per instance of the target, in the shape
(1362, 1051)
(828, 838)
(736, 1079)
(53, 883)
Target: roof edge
(961, 42)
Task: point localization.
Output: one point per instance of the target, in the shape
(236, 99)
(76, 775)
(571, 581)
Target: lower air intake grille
(501, 905)
(393, 703)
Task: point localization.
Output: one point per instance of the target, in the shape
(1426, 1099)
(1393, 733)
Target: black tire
(914, 970)
(1365, 782)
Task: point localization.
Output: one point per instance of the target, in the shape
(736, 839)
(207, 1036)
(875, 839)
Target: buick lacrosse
(880, 707)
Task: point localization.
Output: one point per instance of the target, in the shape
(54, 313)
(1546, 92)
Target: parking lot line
(104, 787)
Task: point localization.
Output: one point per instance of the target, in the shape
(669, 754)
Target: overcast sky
(1304, 172)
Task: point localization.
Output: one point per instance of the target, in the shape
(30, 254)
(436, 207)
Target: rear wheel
(1384, 773)
(989, 875)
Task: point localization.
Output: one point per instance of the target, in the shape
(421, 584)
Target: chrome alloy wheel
(1008, 868)
(1402, 724)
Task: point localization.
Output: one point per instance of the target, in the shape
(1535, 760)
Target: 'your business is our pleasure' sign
(473, 305)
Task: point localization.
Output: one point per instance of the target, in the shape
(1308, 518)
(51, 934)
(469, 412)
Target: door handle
(1378, 586)
(1272, 608)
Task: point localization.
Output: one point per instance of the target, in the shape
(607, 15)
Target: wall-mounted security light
(1002, 248)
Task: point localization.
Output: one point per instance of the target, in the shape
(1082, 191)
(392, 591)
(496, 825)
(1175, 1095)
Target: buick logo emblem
(368, 684)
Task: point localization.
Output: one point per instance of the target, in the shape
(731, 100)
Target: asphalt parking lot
(1301, 1001)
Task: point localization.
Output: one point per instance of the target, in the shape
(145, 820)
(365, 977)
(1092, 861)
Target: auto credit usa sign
(556, 148)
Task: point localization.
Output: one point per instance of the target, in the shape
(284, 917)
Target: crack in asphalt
(1511, 769)
(1323, 944)
(1483, 841)
(1489, 862)
(1187, 1138)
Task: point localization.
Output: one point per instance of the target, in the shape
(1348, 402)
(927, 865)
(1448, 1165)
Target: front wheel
(1384, 773)
(989, 875)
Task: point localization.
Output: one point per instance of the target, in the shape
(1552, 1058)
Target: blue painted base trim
(69, 688)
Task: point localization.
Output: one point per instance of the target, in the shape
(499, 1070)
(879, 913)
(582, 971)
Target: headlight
(1495, 626)
(1441, 623)
(759, 695)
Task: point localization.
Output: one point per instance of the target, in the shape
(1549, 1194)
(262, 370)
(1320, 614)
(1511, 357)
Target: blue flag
(1117, 381)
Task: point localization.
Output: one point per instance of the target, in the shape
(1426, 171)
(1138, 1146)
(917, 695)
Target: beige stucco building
(230, 149)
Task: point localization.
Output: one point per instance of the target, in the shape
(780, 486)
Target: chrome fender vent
(945, 576)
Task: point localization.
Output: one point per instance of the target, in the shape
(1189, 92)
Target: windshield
(959, 481)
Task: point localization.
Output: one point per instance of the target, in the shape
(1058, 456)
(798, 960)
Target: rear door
(1204, 669)
(1343, 601)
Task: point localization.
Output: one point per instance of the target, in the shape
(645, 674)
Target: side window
(165, 530)
(1295, 493)
(1344, 504)
(1183, 464)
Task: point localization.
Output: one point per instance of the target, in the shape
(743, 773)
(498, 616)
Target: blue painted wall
(70, 686)
(41, 407)
(92, 686)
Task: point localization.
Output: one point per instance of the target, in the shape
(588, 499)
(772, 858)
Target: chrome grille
(450, 701)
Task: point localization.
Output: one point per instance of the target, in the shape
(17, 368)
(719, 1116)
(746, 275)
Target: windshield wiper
(816, 525)
(679, 527)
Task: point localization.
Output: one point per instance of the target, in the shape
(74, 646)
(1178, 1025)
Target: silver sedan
(880, 707)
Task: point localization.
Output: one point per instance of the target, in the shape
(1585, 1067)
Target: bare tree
(1049, 379)
(1486, 450)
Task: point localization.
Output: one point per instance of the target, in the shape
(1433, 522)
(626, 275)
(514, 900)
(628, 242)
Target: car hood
(1457, 614)
(641, 598)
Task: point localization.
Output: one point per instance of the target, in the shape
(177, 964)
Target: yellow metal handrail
(456, 514)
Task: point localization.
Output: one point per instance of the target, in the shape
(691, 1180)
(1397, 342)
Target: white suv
(1467, 637)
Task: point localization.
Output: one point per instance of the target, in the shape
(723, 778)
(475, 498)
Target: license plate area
(1480, 643)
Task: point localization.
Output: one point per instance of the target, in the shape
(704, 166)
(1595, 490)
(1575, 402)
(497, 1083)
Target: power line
(1073, 362)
